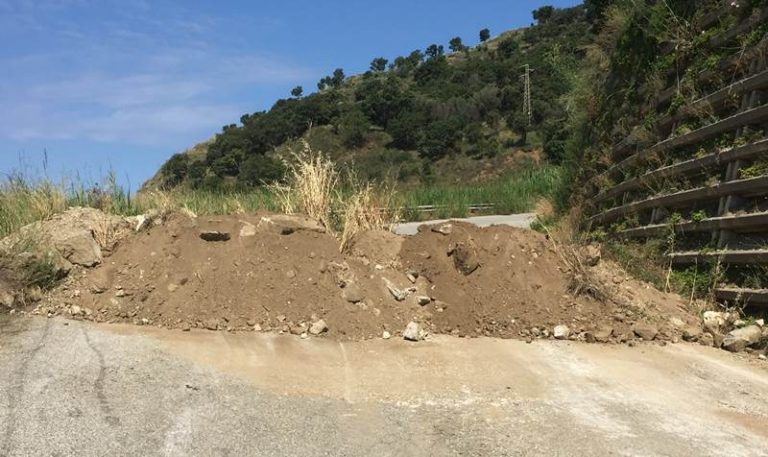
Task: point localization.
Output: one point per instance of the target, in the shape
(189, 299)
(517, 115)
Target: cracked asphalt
(79, 389)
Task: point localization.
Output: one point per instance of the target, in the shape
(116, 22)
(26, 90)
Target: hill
(430, 115)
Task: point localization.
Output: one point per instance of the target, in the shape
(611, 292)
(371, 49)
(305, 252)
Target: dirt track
(75, 388)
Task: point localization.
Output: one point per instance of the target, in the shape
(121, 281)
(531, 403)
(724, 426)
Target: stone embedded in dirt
(443, 229)
(78, 247)
(413, 332)
(212, 324)
(185, 327)
(214, 236)
(706, 339)
(645, 331)
(592, 255)
(715, 321)
(676, 322)
(465, 259)
(386, 335)
(6, 299)
(352, 293)
(561, 332)
(75, 310)
(692, 333)
(298, 329)
(286, 224)
(760, 322)
(399, 294)
(318, 327)
(247, 230)
(423, 300)
(739, 339)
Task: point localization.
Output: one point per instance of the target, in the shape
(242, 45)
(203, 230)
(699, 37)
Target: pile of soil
(277, 273)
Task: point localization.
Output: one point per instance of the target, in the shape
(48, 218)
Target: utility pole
(527, 95)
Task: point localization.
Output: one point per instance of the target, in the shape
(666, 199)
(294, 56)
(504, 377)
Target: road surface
(514, 220)
(80, 389)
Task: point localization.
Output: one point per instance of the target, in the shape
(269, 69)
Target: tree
(508, 47)
(338, 77)
(456, 44)
(379, 64)
(435, 51)
(259, 169)
(543, 14)
(485, 34)
(175, 170)
(297, 91)
(353, 127)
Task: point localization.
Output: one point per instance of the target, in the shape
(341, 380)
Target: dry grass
(366, 209)
(22, 203)
(311, 186)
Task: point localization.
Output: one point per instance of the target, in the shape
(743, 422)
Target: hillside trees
(425, 103)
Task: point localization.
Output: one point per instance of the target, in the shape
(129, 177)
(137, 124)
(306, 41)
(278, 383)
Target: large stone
(645, 331)
(692, 333)
(603, 334)
(465, 259)
(715, 321)
(353, 293)
(78, 247)
(318, 327)
(413, 332)
(592, 255)
(6, 299)
(443, 229)
(739, 339)
(561, 332)
(247, 230)
(286, 224)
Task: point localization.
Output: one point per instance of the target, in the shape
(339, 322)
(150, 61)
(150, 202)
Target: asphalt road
(514, 220)
(76, 389)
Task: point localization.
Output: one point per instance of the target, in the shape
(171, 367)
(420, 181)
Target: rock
(423, 300)
(645, 331)
(561, 332)
(185, 327)
(676, 322)
(399, 294)
(78, 247)
(412, 276)
(762, 357)
(738, 323)
(443, 229)
(214, 236)
(7, 299)
(692, 333)
(589, 337)
(737, 340)
(715, 321)
(290, 274)
(386, 335)
(717, 340)
(760, 322)
(413, 332)
(257, 327)
(318, 327)
(247, 230)
(75, 310)
(298, 329)
(706, 339)
(618, 279)
(465, 259)
(286, 224)
(592, 255)
(212, 324)
(352, 293)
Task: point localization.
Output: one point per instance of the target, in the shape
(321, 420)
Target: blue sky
(121, 85)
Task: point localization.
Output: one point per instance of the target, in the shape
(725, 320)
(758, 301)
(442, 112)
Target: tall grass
(316, 187)
(515, 192)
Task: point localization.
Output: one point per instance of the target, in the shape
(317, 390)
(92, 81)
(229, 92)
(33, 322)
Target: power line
(527, 110)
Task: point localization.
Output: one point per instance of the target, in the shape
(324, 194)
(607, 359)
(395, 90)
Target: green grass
(516, 192)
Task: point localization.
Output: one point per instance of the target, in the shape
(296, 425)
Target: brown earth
(284, 274)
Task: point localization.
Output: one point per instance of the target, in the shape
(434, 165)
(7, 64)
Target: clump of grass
(311, 184)
(23, 202)
(366, 209)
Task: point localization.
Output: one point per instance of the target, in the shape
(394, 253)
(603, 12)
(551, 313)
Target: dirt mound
(285, 274)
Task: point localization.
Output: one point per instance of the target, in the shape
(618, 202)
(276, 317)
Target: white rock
(562, 332)
(386, 335)
(413, 332)
(760, 322)
(318, 327)
(75, 310)
(715, 320)
(737, 340)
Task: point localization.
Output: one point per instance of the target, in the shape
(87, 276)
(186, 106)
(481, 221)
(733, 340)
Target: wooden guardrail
(720, 192)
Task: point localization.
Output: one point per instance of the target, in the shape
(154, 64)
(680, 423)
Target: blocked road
(73, 388)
